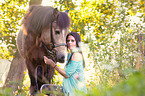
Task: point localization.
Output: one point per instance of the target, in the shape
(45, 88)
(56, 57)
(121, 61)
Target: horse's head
(54, 36)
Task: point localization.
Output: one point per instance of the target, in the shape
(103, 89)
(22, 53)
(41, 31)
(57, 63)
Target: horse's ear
(55, 13)
(67, 11)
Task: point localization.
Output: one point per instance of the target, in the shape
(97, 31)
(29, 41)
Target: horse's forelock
(39, 19)
(63, 20)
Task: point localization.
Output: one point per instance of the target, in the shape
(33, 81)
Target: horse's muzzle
(61, 59)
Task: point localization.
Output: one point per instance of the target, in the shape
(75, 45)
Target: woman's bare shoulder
(77, 57)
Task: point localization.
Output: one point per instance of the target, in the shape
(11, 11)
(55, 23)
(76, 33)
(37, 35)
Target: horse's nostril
(62, 58)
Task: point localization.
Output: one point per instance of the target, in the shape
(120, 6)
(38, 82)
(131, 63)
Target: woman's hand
(77, 76)
(49, 61)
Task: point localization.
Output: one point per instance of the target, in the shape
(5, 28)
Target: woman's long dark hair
(78, 41)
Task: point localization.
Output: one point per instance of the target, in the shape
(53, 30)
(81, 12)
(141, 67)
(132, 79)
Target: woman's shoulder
(77, 57)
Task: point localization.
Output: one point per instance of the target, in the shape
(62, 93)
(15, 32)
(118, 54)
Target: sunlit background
(111, 43)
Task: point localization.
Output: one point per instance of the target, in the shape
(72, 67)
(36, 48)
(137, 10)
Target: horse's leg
(31, 72)
(46, 77)
(39, 76)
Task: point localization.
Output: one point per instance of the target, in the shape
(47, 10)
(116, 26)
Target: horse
(43, 33)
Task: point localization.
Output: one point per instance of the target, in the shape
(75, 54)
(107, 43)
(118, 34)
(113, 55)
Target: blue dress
(71, 83)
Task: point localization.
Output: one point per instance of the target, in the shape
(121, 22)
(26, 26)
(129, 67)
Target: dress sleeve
(72, 67)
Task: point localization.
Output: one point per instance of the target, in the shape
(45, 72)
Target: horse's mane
(39, 17)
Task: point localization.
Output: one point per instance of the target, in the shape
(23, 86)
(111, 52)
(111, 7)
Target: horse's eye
(57, 32)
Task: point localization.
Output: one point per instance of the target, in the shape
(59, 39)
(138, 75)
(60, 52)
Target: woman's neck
(77, 49)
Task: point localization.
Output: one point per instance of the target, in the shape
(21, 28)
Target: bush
(133, 86)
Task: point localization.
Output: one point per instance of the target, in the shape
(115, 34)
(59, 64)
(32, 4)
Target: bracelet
(54, 66)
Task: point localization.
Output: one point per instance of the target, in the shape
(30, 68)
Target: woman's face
(71, 42)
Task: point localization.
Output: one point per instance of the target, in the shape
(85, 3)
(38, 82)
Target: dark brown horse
(42, 34)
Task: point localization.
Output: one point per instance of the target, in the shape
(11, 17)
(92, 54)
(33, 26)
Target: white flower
(80, 84)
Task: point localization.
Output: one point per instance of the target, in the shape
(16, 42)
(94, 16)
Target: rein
(51, 52)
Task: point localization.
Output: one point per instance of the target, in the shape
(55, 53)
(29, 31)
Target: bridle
(51, 52)
(52, 42)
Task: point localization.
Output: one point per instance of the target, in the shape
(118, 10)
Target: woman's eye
(57, 32)
(71, 40)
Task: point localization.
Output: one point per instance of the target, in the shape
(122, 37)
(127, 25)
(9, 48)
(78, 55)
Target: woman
(73, 72)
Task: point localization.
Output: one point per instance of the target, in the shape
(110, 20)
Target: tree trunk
(35, 2)
(16, 72)
(141, 52)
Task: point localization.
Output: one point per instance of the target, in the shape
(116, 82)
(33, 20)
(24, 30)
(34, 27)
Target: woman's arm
(62, 72)
(50, 62)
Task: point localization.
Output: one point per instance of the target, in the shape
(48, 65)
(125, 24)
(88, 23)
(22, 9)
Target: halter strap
(47, 49)
(52, 42)
(63, 44)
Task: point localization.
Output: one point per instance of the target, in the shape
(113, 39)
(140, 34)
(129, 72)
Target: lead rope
(53, 46)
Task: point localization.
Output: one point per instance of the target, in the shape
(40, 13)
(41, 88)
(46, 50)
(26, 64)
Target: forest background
(113, 36)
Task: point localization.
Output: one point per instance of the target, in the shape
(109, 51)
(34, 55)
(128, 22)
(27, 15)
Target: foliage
(12, 12)
(111, 29)
(133, 86)
(21, 91)
(5, 92)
